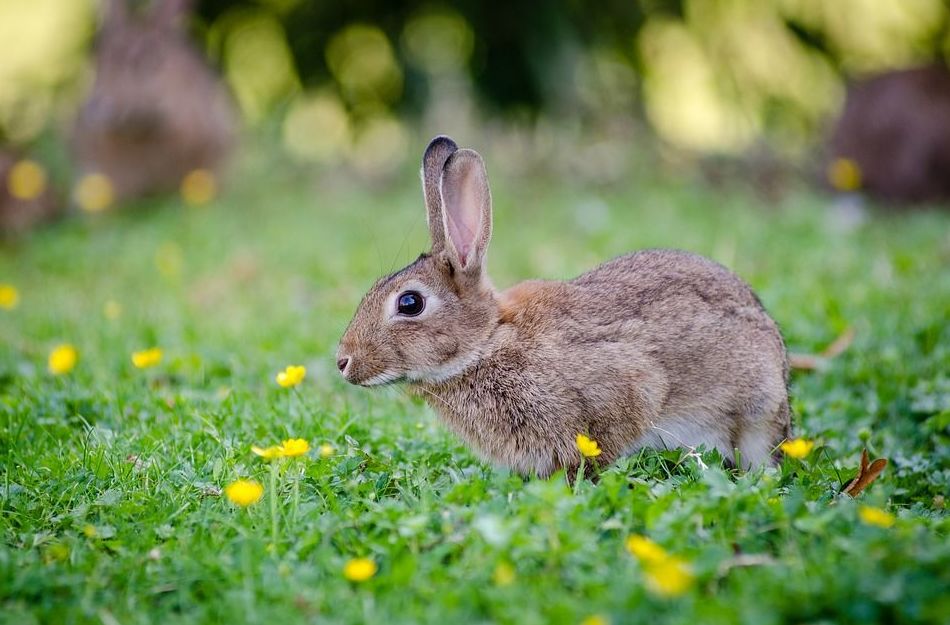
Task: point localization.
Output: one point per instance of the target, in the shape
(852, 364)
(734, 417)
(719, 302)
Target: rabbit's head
(142, 63)
(428, 321)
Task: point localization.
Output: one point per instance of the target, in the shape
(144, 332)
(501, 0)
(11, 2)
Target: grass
(111, 482)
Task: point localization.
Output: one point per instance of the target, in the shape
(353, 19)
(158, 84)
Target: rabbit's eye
(410, 304)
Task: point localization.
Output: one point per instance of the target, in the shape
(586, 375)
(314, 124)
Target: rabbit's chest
(509, 421)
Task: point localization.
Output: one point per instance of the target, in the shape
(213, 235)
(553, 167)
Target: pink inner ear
(464, 213)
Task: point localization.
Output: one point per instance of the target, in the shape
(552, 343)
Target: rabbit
(655, 348)
(156, 110)
(19, 214)
(895, 127)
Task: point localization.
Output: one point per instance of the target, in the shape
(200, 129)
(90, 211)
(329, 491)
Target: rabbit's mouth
(382, 379)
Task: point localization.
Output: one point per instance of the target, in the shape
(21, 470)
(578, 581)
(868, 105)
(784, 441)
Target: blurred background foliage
(352, 81)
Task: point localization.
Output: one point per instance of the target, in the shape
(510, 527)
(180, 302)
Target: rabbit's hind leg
(761, 435)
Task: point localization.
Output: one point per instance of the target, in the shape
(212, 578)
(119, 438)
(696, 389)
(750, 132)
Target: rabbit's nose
(342, 363)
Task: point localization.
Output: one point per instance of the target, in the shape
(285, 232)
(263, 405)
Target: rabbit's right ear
(433, 160)
(466, 210)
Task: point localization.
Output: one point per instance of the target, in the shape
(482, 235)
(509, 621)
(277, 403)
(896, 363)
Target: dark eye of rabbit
(411, 304)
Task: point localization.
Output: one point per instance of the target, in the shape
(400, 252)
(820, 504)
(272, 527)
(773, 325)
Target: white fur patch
(755, 445)
(382, 378)
(688, 432)
(445, 371)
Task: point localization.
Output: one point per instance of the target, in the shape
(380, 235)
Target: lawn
(112, 476)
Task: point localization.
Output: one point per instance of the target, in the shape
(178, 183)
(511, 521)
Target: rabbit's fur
(656, 348)
(156, 110)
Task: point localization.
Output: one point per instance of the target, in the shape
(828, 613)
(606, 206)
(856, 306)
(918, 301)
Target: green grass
(111, 476)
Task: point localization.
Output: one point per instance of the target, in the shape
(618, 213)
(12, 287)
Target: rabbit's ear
(433, 160)
(170, 13)
(466, 202)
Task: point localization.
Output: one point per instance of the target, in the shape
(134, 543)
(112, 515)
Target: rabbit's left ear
(466, 209)
(433, 160)
(171, 13)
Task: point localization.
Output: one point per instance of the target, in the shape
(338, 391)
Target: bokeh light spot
(681, 96)
(26, 180)
(94, 193)
(40, 44)
(361, 60)
(381, 146)
(844, 174)
(258, 63)
(438, 41)
(198, 187)
(317, 127)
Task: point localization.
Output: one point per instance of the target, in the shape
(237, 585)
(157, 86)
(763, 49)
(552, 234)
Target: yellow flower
(9, 296)
(112, 310)
(595, 619)
(268, 453)
(26, 180)
(666, 575)
(198, 187)
(293, 447)
(62, 359)
(587, 446)
(645, 549)
(244, 492)
(326, 450)
(844, 174)
(147, 358)
(291, 376)
(94, 193)
(90, 531)
(504, 574)
(669, 578)
(797, 448)
(359, 569)
(876, 516)
(290, 448)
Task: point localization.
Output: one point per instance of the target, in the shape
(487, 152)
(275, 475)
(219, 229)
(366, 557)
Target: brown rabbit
(895, 128)
(156, 110)
(656, 348)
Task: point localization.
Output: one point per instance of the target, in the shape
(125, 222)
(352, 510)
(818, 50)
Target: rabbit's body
(157, 111)
(656, 348)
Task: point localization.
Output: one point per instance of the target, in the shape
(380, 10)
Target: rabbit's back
(648, 278)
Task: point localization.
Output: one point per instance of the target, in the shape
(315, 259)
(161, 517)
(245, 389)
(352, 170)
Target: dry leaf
(810, 362)
(866, 474)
